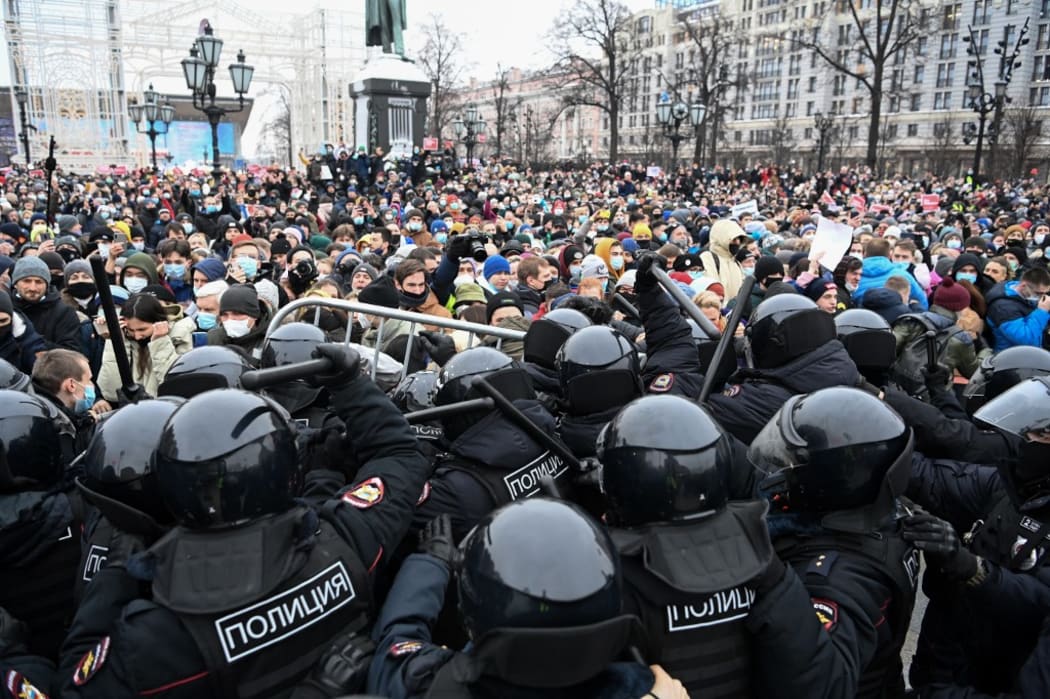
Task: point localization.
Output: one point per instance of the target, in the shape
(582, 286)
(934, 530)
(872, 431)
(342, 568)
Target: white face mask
(135, 284)
(364, 321)
(462, 279)
(236, 328)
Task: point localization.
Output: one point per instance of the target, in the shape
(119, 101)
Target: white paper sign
(748, 207)
(830, 243)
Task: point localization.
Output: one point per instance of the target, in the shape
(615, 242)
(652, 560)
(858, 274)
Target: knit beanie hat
(30, 267)
(768, 266)
(951, 296)
(77, 266)
(240, 298)
(503, 299)
(494, 265)
(381, 292)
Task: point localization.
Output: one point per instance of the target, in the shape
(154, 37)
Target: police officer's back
(251, 587)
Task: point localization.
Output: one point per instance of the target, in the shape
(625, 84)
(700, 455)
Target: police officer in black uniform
(1002, 517)
(12, 378)
(251, 587)
(322, 441)
(488, 460)
(543, 340)
(119, 481)
(835, 463)
(869, 341)
(40, 519)
(204, 369)
(416, 392)
(540, 593)
(22, 675)
(599, 371)
(699, 570)
(794, 349)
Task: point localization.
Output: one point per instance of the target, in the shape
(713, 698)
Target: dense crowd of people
(606, 431)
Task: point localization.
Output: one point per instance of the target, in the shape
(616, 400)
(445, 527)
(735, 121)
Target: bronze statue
(385, 20)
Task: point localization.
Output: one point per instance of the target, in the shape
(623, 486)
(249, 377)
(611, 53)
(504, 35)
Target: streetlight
(199, 70)
(824, 124)
(155, 117)
(983, 102)
(467, 128)
(23, 100)
(672, 116)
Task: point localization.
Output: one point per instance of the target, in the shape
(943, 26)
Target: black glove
(439, 346)
(342, 670)
(940, 544)
(937, 380)
(644, 279)
(458, 247)
(436, 539)
(13, 633)
(346, 364)
(122, 546)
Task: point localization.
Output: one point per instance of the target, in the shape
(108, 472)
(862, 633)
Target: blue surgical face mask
(441, 237)
(662, 237)
(966, 277)
(415, 226)
(509, 225)
(749, 271)
(135, 284)
(695, 274)
(359, 220)
(84, 404)
(195, 192)
(602, 227)
(174, 271)
(187, 227)
(605, 285)
(616, 263)
(249, 265)
(582, 218)
(211, 209)
(954, 244)
(206, 321)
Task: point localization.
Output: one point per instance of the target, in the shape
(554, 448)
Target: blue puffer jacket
(1013, 319)
(877, 270)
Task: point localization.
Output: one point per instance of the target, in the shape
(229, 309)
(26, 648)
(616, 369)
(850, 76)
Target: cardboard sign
(826, 198)
(858, 202)
(652, 171)
(430, 143)
(830, 243)
(748, 207)
(120, 170)
(931, 202)
(37, 174)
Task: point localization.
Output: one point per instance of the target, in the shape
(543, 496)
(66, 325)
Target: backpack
(916, 349)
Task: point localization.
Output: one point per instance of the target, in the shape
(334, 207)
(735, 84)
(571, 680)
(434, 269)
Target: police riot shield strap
(1023, 411)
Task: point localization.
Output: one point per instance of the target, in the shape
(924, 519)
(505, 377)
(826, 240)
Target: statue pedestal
(390, 104)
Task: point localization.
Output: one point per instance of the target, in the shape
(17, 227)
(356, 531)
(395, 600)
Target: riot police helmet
(227, 457)
(545, 336)
(868, 340)
(292, 343)
(663, 458)
(204, 369)
(834, 449)
(598, 368)
(785, 327)
(416, 391)
(119, 464)
(455, 384)
(31, 454)
(705, 348)
(1002, 370)
(12, 378)
(1023, 412)
(538, 563)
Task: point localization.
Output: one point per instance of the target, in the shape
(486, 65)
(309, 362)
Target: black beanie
(380, 292)
(240, 298)
(768, 266)
(503, 299)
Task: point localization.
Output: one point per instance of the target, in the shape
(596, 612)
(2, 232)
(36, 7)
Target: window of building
(812, 86)
(942, 100)
(982, 11)
(920, 74)
(949, 45)
(945, 74)
(913, 129)
(916, 102)
(645, 24)
(951, 16)
(809, 109)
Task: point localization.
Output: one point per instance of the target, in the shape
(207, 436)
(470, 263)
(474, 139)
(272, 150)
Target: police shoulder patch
(404, 648)
(91, 663)
(827, 612)
(367, 494)
(21, 688)
(732, 391)
(662, 383)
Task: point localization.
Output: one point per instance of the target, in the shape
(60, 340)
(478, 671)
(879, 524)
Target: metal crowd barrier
(474, 330)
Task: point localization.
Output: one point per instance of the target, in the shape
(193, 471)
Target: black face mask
(734, 248)
(410, 300)
(82, 290)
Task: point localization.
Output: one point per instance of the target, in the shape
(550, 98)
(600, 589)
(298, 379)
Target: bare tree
(874, 35)
(501, 100)
(1022, 130)
(713, 40)
(887, 139)
(781, 140)
(277, 131)
(592, 59)
(441, 58)
(945, 146)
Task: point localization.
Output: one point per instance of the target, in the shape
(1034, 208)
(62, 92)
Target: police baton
(685, 302)
(130, 392)
(931, 350)
(440, 411)
(626, 306)
(255, 379)
(727, 337)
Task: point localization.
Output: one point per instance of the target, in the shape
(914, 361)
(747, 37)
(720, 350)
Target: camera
(477, 246)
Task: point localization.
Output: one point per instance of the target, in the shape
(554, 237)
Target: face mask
(206, 321)
(249, 265)
(851, 287)
(135, 284)
(509, 225)
(441, 238)
(605, 285)
(734, 248)
(442, 203)
(174, 271)
(462, 279)
(632, 201)
(139, 246)
(166, 195)
(415, 226)
(364, 321)
(103, 250)
(1013, 265)
(82, 290)
(662, 237)
(966, 277)
(195, 192)
(188, 227)
(559, 212)
(1039, 238)
(103, 215)
(616, 263)
(602, 227)
(749, 271)
(954, 244)
(236, 328)
(1034, 300)
(84, 404)
(582, 219)
(695, 275)
(359, 220)
(410, 300)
